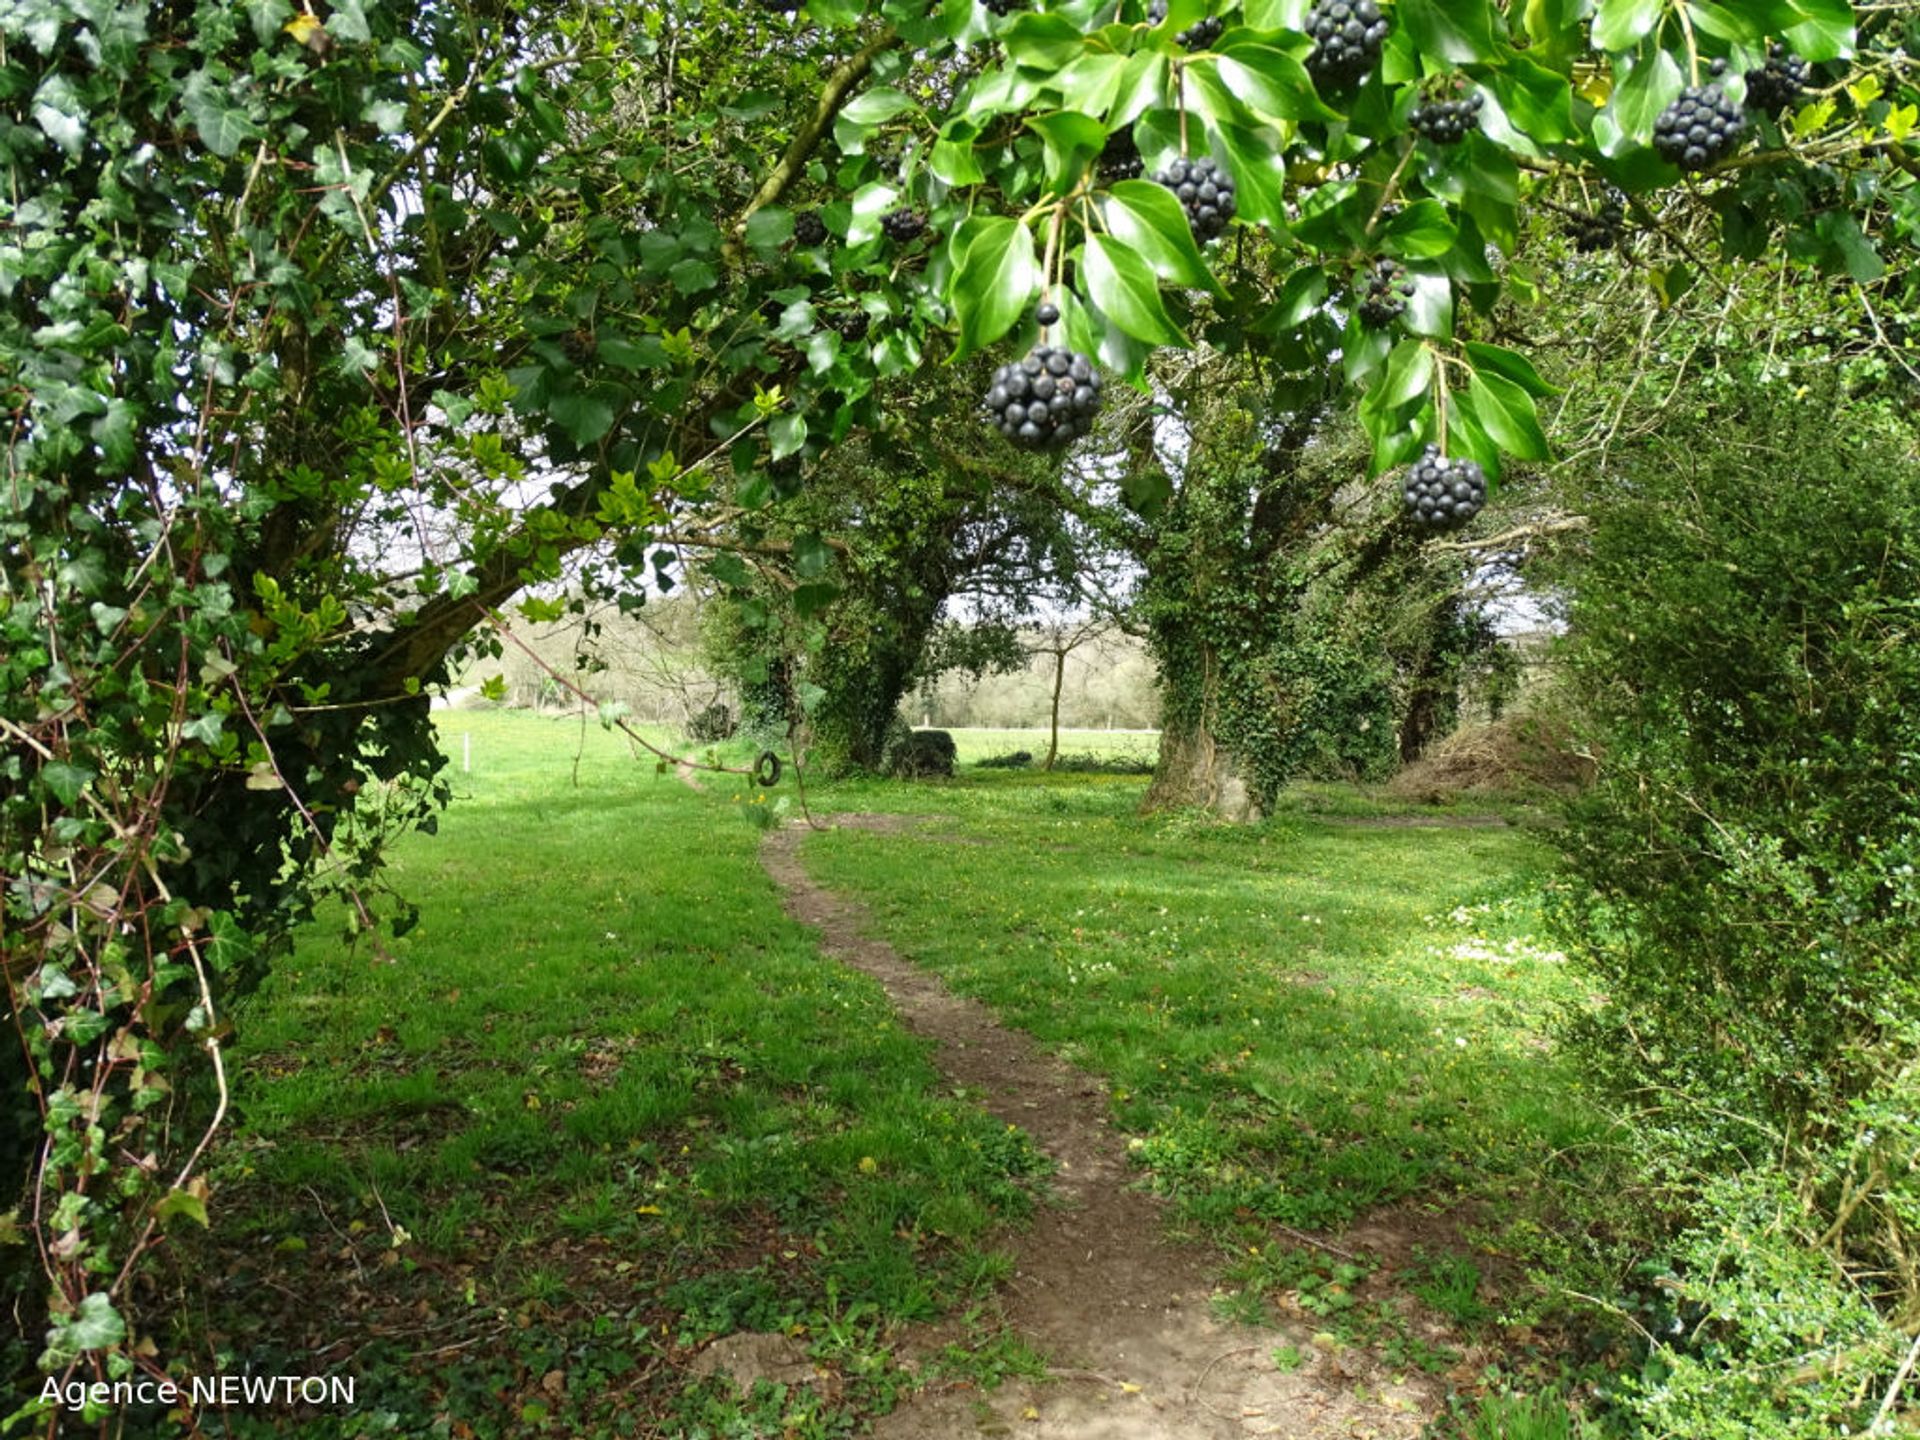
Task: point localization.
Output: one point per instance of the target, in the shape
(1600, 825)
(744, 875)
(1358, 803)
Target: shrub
(711, 724)
(1013, 760)
(1745, 642)
(920, 754)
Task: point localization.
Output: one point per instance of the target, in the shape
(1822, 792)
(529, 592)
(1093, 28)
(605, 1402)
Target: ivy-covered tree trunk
(1200, 768)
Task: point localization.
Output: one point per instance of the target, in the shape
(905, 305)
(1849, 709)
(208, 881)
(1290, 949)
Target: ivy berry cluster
(904, 225)
(1774, 86)
(1347, 37)
(1599, 230)
(1048, 399)
(1385, 298)
(1204, 190)
(1699, 128)
(1448, 122)
(1197, 36)
(1442, 494)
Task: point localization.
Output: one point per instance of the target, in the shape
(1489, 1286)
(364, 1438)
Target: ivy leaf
(1537, 100)
(863, 114)
(94, 1325)
(1142, 86)
(64, 780)
(1827, 32)
(1460, 31)
(1653, 83)
(1303, 293)
(180, 1202)
(1511, 364)
(789, 433)
(582, 417)
(811, 557)
(224, 126)
(1151, 219)
(1430, 307)
(1420, 232)
(1267, 79)
(1123, 286)
(994, 279)
(1045, 42)
(1620, 24)
(1070, 140)
(1508, 415)
(1409, 373)
(1259, 174)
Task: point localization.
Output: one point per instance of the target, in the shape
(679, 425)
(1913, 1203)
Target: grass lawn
(608, 1103)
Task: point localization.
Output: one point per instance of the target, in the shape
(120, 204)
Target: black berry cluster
(1347, 37)
(1205, 191)
(1698, 128)
(809, 228)
(1385, 298)
(903, 225)
(1599, 230)
(1120, 157)
(852, 326)
(1442, 493)
(1004, 7)
(1046, 400)
(1202, 33)
(1774, 86)
(1446, 122)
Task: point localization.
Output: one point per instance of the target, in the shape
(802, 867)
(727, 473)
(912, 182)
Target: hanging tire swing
(767, 768)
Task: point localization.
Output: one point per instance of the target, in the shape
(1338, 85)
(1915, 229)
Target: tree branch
(849, 73)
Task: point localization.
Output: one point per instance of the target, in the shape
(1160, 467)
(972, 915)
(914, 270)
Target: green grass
(1297, 1022)
(606, 1101)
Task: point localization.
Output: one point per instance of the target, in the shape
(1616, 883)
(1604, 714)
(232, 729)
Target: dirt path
(1121, 1312)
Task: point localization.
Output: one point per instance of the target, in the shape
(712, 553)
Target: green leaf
(64, 780)
(811, 556)
(1621, 23)
(180, 1202)
(789, 433)
(1045, 42)
(864, 113)
(1267, 79)
(1420, 232)
(995, 278)
(1150, 218)
(1827, 32)
(1142, 87)
(223, 125)
(583, 418)
(1460, 31)
(1537, 100)
(1653, 83)
(1510, 364)
(1070, 140)
(1430, 307)
(875, 106)
(1122, 284)
(1259, 174)
(1508, 415)
(1409, 373)
(267, 17)
(1092, 83)
(1302, 294)
(768, 229)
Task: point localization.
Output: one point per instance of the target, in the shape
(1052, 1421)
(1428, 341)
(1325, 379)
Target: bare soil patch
(1120, 1311)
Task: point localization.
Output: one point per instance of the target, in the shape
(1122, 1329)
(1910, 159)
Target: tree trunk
(1053, 735)
(1197, 769)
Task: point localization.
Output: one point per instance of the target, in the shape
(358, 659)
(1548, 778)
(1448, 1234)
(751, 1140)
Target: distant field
(980, 744)
(559, 735)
